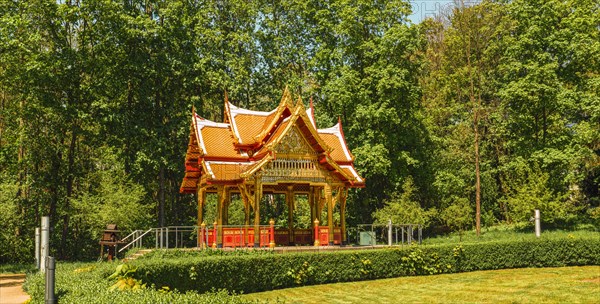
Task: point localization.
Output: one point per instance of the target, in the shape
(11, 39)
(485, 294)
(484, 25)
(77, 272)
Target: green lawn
(509, 232)
(529, 285)
(17, 268)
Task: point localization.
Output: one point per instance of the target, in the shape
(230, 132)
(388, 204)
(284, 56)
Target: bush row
(87, 283)
(255, 273)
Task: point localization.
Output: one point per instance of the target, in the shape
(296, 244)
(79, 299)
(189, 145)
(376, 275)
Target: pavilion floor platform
(293, 249)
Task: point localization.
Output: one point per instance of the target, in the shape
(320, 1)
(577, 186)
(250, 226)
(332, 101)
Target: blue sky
(428, 8)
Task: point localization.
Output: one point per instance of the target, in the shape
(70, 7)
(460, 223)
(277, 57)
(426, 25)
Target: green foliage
(181, 253)
(458, 216)
(96, 98)
(113, 198)
(514, 232)
(13, 245)
(124, 274)
(403, 209)
(90, 283)
(17, 268)
(266, 272)
(302, 275)
(529, 70)
(532, 192)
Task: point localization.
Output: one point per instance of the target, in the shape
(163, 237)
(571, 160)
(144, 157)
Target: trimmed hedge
(256, 273)
(78, 283)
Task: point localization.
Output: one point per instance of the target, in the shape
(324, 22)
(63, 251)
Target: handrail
(139, 237)
(132, 233)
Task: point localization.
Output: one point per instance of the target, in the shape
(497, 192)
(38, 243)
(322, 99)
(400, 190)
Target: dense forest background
(495, 104)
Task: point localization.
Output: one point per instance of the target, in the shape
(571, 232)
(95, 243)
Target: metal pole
(45, 243)
(155, 238)
(389, 232)
(37, 247)
(167, 233)
(176, 237)
(402, 235)
(538, 228)
(50, 297)
(396, 235)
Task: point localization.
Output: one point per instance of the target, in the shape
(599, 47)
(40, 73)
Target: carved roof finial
(286, 99)
(226, 112)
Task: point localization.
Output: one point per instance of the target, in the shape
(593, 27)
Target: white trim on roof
(210, 171)
(358, 178)
(335, 130)
(235, 110)
(220, 162)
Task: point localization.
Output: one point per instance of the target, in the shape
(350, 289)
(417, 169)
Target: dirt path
(11, 291)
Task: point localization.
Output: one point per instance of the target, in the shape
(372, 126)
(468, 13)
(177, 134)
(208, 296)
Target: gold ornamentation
(293, 143)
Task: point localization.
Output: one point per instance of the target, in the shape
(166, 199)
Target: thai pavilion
(253, 153)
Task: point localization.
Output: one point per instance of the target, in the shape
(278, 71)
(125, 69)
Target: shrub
(253, 273)
(90, 283)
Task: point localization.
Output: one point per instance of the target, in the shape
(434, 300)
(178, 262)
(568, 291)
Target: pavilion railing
(187, 236)
(243, 236)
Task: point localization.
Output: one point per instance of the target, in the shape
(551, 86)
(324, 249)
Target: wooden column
(226, 204)
(329, 201)
(201, 199)
(257, 198)
(248, 200)
(318, 201)
(343, 197)
(289, 197)
(221, 198)
(311, 203)
(246, 219)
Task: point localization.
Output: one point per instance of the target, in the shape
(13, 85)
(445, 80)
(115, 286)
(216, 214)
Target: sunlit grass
(506, 232)
(529, 285)
(17, 268)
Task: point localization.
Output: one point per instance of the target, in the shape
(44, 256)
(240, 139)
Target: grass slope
(529, 285)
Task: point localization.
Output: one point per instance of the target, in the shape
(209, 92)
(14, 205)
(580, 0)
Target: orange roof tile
(335, 139)
(218, 142)
(248, 126)
(224, 171)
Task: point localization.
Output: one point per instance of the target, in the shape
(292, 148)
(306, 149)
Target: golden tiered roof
(251, 141)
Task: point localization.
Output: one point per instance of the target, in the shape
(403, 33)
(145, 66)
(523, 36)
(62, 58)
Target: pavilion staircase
(136, 255)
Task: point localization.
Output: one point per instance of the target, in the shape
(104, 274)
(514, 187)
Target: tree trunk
(69, 189)
(475, 105)
(161, 196)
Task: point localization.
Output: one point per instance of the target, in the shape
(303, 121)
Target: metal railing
(174, 236)
(137, 241)
(381, 234)
(187, 236)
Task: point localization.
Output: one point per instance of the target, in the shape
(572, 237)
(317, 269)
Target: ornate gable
(294, 145)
